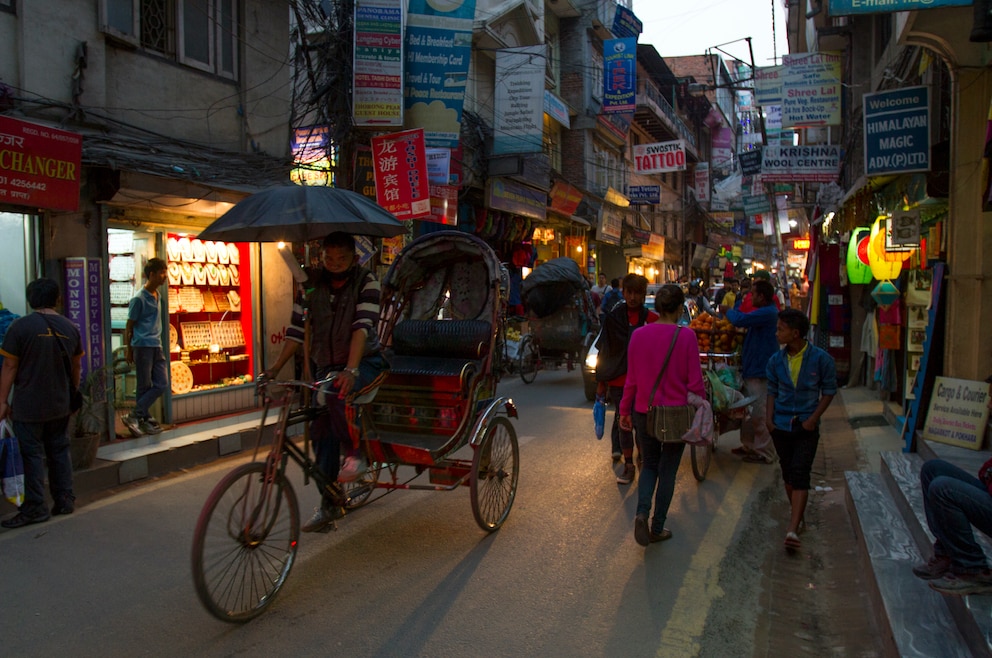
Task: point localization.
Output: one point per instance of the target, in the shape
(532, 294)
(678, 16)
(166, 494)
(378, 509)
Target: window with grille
(197, 33)
(597, 75)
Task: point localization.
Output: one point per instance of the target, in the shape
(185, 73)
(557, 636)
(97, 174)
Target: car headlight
(591, 358)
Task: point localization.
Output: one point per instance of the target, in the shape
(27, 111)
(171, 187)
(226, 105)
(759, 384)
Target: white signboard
(803, 164)
(703, 182)
(768, 85)
(958, 412)
(519, 119)
(660, 157)
(811, 93)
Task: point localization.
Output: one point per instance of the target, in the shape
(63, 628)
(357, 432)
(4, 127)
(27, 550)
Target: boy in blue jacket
(802, 381)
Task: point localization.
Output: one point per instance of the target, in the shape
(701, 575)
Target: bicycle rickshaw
(561, 318)
(441, 313)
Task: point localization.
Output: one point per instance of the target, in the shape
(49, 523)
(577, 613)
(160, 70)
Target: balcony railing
(648, 94)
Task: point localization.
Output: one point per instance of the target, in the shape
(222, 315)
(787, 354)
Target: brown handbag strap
(664, 365)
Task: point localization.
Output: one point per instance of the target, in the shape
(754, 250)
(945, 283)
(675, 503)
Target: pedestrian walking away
(611, 366)
(760, 343)
(682, 375)
(802, 381)
(143, 349)
(33, 366)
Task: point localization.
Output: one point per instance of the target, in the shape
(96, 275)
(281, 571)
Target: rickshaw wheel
(245, 543)
(358, 492)
(701, 457)
(495, 468)
(529, 358)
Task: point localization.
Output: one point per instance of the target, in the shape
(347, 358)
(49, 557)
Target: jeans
(659, 468)
(619, 438)
(955, 500)
(41, 442)
(152, 372)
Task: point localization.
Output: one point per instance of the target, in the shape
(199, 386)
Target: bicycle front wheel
(245, 542)
(529, 359)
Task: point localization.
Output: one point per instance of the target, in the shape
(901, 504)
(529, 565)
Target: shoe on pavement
(755, 458)
(353, 468)
(963, 584)
(627, 475)
(322, 519)
(936, 567)
(664, 535)
(65, 505)
(132, 423)
(617, 456)
(641, 533)
(21, 520)
(149, 426)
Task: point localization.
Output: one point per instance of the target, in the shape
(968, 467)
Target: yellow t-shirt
(728, 299)
(795, 363)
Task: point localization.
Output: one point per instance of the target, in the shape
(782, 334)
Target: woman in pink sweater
(645, 357)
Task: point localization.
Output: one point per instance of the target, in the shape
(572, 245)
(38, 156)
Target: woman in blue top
(802, 381)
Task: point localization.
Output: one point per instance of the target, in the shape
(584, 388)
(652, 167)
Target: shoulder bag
(668, 423)
(75, 396)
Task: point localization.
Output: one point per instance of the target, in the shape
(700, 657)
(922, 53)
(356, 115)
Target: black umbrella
(297, 213)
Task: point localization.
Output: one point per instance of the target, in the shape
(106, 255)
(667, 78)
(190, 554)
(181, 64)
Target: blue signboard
(438, 51)
(619, 83)
(897, 131)
(849, 7)
(641, 195)
(626, 24)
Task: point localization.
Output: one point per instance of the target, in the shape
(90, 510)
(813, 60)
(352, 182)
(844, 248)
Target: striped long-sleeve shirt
(335, 313)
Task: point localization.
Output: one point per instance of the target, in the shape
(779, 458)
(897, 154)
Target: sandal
(792, 542)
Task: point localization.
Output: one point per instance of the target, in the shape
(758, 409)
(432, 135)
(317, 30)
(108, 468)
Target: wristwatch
(353, 371)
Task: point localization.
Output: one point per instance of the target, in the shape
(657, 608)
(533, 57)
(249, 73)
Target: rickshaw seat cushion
(447, 339)
(401, 366)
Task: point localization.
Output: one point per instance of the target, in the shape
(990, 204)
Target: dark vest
(332, 311)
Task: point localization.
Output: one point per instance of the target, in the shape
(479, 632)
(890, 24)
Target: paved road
(412, 574)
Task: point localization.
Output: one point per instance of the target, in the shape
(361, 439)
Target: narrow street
(412, 574)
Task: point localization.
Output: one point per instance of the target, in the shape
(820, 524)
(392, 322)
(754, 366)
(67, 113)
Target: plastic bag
(599, 416)
(721, 395)
(11, 466)
(729, 376)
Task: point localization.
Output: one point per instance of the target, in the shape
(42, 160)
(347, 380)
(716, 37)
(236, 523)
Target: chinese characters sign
(401, 182)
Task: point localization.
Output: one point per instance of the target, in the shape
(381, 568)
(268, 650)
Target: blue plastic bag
(11, 465)
(599, 415)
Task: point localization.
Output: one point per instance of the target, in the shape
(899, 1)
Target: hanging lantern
(858, 267)
(881, 269)
(885, 294)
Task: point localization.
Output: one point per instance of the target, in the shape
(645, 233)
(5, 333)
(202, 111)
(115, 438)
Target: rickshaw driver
(341, 330)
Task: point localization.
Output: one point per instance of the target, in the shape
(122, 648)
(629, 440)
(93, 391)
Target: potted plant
(90, 425)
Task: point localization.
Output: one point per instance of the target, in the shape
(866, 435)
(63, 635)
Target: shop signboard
(556, 108)
(401, 182)
(564, 198)
(958, 412)
(702, 183)
(377, 76)
(83, 303)
(438, 165)
(610, 224)
(39, 166)
(768, 85)
(311, 152)
(519, 100)
(626, 24)
(444, 205)
(756, 205)
(644, 195)
(438, 50)
(800, 164)
(660, 157)
(517, 198)
(723, 219)
(851, 7)
(811, 93)
(364, 172)
(750, 162)
(904, 229)
(616, 124)
(619, 84)
(740, 227)
(897, 131)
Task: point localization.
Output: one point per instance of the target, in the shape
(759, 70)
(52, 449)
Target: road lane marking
(700, 588)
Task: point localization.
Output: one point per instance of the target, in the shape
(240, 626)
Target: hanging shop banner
(619, 84)
(756, 205)
(750, 162)
(800, 164)
(517, 198)
(722, 148)
(811, 92)
(83, 302)
(564, 198)
(401, 182)
(364, 172)
(644, 195)
(438, 166)
(850, 7)
(311, 156)
(702, 183)
(626, 24)
(519, 100)
(39, 166)
(958, 412)
(616, 124)
(610, 224)
(556, 108)
(660, 157)
(740, 228)
(904, 229)
(768, 85)
(444, 205)
(897, 131)
(723, 219)
(438, 50)
(377, 76)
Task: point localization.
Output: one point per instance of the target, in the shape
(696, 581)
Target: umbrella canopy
(297, 213)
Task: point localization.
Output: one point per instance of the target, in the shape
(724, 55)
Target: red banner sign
(39, 166)
(401, 183)
(564, 198)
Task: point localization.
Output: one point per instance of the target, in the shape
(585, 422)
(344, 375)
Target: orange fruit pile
(716, 334)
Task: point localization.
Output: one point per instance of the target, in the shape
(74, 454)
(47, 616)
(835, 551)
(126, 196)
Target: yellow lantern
(881, 268)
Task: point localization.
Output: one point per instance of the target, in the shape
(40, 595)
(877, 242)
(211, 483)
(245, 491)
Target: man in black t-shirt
(35, 368)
